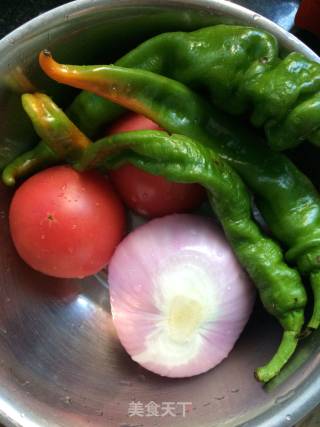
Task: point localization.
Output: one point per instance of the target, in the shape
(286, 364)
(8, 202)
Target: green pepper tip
(8, 179)
(286, 349)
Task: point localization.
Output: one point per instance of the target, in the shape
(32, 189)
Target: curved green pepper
(183, 160)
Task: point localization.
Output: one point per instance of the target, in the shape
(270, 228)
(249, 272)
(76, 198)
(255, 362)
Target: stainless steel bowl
(60, 361)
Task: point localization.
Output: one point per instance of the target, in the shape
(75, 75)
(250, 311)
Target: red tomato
(65, 223)
(132, 121)
(148, 194)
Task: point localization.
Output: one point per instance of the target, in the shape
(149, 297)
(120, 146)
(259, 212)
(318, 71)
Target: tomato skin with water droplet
(146, 194)
(66, 224)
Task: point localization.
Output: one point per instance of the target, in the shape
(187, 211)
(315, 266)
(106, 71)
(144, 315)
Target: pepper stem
(287, 347)
(315, 284)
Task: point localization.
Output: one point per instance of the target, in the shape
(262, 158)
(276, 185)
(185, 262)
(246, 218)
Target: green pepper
(41, 156)
(222, 54)
(240, 70)
(283, 97)
(182, 160)
(40, 106)
(287, 199)
(236, 65)
(296, 125)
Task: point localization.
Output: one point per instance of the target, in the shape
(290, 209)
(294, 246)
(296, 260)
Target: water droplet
(2, 214)
(8, 300)
(114, 88)
(3, 331)
(68, 400)
(43, 236)
(74, 226)
(97, 204)
(63, 187)
(128, 88)
(256, 17)
(219, 397)
(22, 415)
(288, 418)
(235, 390)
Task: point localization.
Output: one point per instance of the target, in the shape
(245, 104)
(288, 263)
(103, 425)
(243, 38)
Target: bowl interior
(60, 361)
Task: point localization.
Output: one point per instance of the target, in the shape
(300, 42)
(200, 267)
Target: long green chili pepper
(287, 199)
(240, 69)
(237, 66)
(214, 59)
(183, 160)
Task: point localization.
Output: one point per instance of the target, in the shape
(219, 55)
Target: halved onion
(179, 297)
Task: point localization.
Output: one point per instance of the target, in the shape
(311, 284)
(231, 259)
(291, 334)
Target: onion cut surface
(179, 297)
